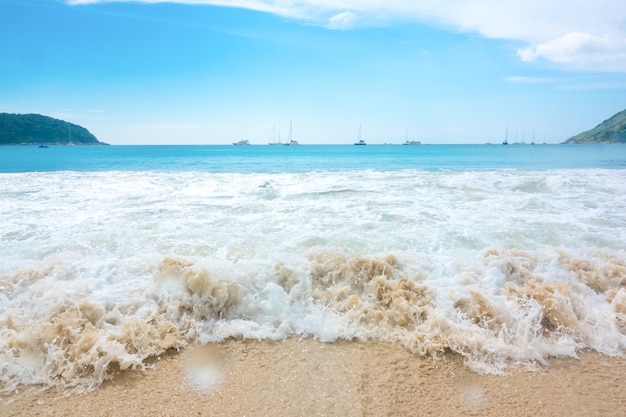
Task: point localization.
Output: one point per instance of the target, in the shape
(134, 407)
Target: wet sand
(308, 378)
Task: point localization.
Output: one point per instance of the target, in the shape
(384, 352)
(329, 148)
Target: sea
(112, 255)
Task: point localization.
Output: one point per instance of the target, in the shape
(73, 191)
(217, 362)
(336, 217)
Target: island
(35, 129)
(612, 130)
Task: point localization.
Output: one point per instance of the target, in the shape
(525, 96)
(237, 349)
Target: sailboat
(360, 141)
(410, 142)
(273, 142)
(69, 136)
(506, 137)
(291, 142)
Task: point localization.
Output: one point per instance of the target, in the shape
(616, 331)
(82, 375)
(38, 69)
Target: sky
(218, 71)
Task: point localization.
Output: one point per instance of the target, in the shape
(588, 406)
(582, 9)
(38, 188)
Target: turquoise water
(258, 159)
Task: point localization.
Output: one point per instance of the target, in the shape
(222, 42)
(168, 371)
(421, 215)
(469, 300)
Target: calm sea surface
(111, 255)
(255, 159)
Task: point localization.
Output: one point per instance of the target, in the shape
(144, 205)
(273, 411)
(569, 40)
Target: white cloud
(581, 50)
(345, 20)
(580, 34)
(529, 80)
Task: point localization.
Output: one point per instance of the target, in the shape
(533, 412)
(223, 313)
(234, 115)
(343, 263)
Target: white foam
(501, 266)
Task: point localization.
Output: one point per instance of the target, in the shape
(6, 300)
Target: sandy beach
(303, 377)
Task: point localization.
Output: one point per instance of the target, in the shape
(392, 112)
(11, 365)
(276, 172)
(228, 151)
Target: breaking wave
(502, 268)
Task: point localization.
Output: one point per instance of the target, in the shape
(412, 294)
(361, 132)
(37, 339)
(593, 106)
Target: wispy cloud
(174, 127)
(581, 51)
(578, 81)
(578, 34)
(519, 79)
(344, 20)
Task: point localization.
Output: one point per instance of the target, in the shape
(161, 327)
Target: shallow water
(503, 266)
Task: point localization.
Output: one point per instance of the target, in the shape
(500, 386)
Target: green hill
(35, 129)
(612, 130)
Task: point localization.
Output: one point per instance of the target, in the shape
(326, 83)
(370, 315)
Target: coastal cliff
(612, 130)
(35, 129)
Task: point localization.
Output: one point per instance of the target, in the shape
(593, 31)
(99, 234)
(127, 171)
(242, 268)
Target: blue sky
(216, 71)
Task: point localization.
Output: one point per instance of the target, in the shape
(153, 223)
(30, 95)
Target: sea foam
(101, 271)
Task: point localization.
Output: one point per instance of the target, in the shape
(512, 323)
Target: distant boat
(410, 142)
(42, 146)
(243, 142)
(273, 142)
(506, 137)
(291, 142)
(360, 141)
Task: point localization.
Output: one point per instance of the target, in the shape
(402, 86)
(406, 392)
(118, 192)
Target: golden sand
(308, 378)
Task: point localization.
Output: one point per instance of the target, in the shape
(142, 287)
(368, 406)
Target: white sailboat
(291, 142)
(69, 136)
(360, 141)
(273, 142)
(410, 142)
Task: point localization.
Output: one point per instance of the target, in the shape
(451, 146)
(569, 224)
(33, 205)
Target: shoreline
(306, 377)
